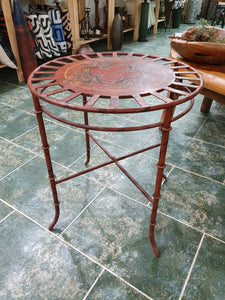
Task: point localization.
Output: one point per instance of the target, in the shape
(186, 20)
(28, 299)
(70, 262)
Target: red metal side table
(99, 83)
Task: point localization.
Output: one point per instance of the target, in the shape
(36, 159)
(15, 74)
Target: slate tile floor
(100, 248)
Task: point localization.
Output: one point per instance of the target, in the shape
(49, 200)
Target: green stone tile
(109, 287)
(31, 140)
(207, 278)
(147, 117)
(196, 201)
(196, 156)
(114, 121)
(133, 140)
(5, 87)
(36, 265)
(29, 191)
(11, 157)
(19, 97)
(217, 111)
(197, 106)
(114, 231)
(68, 114)
(188, 124)
(14, 122)
(212, 132)
(75, 117)
(142, 168)
(97, 155)
(66, 144)
(4, 210)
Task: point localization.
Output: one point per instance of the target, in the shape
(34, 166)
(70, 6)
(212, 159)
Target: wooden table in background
(213, 81)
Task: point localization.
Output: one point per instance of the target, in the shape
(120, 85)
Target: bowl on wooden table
(199, 51)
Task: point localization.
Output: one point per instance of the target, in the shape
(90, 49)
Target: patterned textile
(66, 28)
(40, 37)
(35, 44)
(54, 15)
(47, 29)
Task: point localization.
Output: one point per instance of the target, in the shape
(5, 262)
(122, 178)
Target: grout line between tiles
(170, 171)
(82, 211)
(215, 238)
(190, 226)
(128, 197)
(16, 108)
(188, 171)
(19, 136)
(94, 283)
(76, 249)
(81, 156)
(208, 143)
(199, 140)
(62, 124)
(19, 146)
(130, 285)
(13, 84)
(146, 205)
(194, 173)
(18, 167)
(191, 268)
(3, 219)
(203, 123)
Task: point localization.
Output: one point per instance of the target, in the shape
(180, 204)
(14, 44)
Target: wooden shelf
(91, 40)
(128, 29)
(161, 20)
(110, 9)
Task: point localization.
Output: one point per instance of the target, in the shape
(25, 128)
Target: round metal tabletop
(147, 82)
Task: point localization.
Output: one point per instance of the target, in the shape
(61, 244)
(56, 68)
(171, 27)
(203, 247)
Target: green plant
(204, 33)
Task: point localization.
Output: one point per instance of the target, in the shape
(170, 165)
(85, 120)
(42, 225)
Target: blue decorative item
(57, 29)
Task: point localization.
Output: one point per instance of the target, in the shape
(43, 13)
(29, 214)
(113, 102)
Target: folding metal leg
(87, 139)
(168, 113)
(45, 146)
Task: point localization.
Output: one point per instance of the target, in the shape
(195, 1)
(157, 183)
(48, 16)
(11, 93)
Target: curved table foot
(88, 157)
(57, 212)
(152, 240)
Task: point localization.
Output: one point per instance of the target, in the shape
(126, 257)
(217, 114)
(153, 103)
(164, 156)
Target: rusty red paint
(113, 76)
